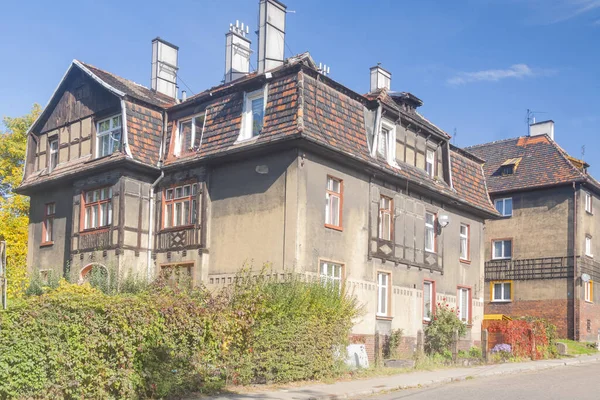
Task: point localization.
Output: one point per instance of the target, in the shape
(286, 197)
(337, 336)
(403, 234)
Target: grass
(579, 348)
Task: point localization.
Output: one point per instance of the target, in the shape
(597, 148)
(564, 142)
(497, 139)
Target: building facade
(283, 166)
(540, 254)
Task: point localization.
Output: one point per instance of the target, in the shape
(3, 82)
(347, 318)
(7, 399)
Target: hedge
(77, 342)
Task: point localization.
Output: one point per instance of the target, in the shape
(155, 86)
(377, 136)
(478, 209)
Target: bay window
(97, 208)
(180, 206)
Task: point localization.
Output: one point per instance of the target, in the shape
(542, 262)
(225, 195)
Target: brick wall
(557, 311)
(589, 312)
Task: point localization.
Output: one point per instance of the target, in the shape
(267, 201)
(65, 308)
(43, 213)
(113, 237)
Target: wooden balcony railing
(177, 239)
(95, 240)
(532, 268)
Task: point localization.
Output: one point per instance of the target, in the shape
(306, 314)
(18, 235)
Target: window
(386, 145)
(386, 221)
(253, 114)
(383, 294)
(502, 249)
(428, 300)
(588, 202)
(383, 145)
(507, 169)
(331, 273)
(430, 232)
(188, 134)
(177, 275)
(504, 206)
(430, 163)
(53, 144)
(465, 245)
(97, 208)
(48, 223)
(333, 203)
(501, 291)
(108, 136)
(180, 206)
(588, 246)
(588, 289)
(464, 304)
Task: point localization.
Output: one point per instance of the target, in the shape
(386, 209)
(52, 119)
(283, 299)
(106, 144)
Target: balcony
(95, 240)
(178, 239)
(531, 268)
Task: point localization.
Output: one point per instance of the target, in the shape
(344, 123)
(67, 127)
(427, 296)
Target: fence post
(420, 344)
(484, 345)
(455, 346)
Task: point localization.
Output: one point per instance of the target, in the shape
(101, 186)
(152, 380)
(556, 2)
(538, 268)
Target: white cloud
(555, 11)
(494, 75)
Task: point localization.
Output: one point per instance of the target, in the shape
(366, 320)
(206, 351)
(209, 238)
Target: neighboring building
(549, 226)
(283, 165)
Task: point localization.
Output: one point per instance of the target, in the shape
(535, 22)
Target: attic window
(509, 166)
(108, 136)
(386, 143)
(189, 132)
(508, 169)
(253, 114)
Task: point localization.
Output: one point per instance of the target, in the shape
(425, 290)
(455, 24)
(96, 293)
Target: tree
(14, 208)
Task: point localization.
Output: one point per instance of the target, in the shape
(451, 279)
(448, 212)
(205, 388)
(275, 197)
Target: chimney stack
(541, 128)
(164, 67)
(380, 78)
(237, 52)
(271, 34)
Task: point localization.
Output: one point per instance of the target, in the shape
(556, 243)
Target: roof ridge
(495, 142)
(565, 156)
(113, 74)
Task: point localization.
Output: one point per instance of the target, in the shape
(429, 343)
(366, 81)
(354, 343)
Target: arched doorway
(93, 271)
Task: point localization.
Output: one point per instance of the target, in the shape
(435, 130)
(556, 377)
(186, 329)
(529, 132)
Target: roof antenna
(454, 136)
(530, 119)
(582, 152)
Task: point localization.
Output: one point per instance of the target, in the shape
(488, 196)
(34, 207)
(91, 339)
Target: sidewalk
(366, 387)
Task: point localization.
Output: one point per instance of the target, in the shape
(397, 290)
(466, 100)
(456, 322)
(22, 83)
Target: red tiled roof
(543, 163)
(469, 180)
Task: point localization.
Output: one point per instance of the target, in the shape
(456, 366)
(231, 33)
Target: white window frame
(465, 237)
(386, 213)
(327, 273)
(428, 312)
(383, 293)
(588, 203)
(463, 315)
(179, 140)
(588, 246)
(503, 257)
(503, 202)
(430, 227)
(430, 171)
(390, 145)
(53, 153)
(588, 290)
(330, 195)
(99, 203)
(112, 130)
(246, 132)
(503, 292)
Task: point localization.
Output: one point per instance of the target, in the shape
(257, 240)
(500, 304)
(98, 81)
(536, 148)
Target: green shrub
(78, 342)
(439, 332)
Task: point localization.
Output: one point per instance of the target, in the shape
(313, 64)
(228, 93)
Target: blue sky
(478, 65)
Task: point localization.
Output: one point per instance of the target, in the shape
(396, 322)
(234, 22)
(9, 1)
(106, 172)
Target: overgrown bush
(78, 342)
(391, 343)
(532, 337)
(439, 332)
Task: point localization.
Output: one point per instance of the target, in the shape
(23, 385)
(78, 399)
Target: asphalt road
(580, 382)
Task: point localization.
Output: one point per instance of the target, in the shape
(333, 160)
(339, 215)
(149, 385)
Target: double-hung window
(386, 143)
(428, 300)
(501, 291)
(333, 203)
(383, 294)
(464, 304)
(97, 206)
(53, 160)
(253, 114)
(501, 249)
(588, 288)
(384, 140)
(430, 162)
(188, 134)
(588, 246)
(48, 223)
(504, 206)
(331, 273)
(430, 239)
(588, 202)
(386, 221)
(108, 136)
(180, 206)
(465, 245)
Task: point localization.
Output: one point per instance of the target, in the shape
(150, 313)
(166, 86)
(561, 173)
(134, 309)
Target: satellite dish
(443, 220)
(585, 277)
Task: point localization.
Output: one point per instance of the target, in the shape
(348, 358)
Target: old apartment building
(283, 165)
(540, 254)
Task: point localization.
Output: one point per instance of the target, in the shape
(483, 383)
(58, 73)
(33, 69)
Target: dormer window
(508, 169)
(383, 145)
(509, 166)
(189, 132)
(108, 136)
(430, 162)
(253, 114)
(386, 143)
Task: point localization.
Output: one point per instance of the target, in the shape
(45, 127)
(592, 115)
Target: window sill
(462, 260)
(426, 321)
(431, 252)
(334, 227)
(46, 244)
(95, 230)
(589, 212)
(246, 140)
(501, 301)
(589, 255)
(502, 259)
(589, 302)
(178, 228)
(383, 318)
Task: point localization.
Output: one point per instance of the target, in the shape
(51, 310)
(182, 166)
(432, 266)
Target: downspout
(575, 294)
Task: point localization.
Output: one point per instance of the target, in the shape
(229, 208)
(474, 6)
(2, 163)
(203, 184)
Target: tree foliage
(14, 208)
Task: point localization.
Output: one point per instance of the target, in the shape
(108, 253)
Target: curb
(544, 365)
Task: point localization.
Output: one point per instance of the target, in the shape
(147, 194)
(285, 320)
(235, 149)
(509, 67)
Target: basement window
(253, 114)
